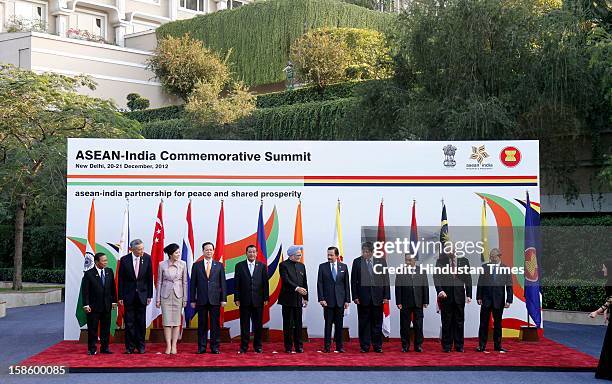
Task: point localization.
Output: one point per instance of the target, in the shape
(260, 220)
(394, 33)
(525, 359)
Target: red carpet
(543, 355)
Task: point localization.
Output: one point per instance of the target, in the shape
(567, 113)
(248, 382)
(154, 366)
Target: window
(30, 11)
(94, 24)
(193, 5)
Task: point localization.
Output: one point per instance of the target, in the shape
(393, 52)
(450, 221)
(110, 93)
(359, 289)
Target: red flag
(157, 256)
(380, 236)
(219, 254)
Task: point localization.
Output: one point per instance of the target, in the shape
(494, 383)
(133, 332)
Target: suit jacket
(206, 290)
(494, 291)
(99, 298)
(412, 290)
(370, 290)
(456, 287)
(251, 291)
(167, 283)
(293, 275)
(335, 293)
(132, 287)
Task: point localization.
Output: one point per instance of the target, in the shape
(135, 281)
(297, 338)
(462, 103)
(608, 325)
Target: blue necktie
(334, 271)
(102, 277)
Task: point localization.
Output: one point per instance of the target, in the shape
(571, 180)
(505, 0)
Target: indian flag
(90, 251)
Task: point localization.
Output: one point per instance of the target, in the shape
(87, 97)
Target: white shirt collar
(99, 270)
(251, 262)
(135, 258)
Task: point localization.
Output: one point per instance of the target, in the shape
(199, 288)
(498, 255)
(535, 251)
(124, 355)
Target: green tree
(206, 105)
(37, 114)
(180, 63)
(137, 102)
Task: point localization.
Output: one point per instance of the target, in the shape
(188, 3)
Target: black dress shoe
(446, 350)
(141, 351)
(418, 349)
(201, 351)
(404, 349)
(460, 349)
(215, 351)
(242, 351)
(378, 350)
(501, 350)
(363, 350)
(106, 351)
(340, 350)
(288, 351)
(299, 350)
(258, 350)
(326, 350)
(480, 348)
(91, 353)
(129, 351)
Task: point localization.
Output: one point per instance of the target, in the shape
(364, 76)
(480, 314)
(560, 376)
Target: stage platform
(544, 355)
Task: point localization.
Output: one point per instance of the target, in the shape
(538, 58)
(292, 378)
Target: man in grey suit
(208, 293)
(334, 293)
(411, 297)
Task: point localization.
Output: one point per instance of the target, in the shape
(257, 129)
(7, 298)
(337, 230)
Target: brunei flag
(90, 251)
(338, 234)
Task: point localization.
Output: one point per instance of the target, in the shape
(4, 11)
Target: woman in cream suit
(172, 294)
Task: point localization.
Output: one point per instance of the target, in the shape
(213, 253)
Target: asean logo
(531, 265)
(510, 156)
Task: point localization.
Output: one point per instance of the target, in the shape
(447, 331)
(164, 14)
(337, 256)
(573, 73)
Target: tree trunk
(18, 260)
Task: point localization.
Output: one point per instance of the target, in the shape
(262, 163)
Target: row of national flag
(532, 287)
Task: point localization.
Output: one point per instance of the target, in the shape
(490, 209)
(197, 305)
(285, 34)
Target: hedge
(43, 246)
(573, 295)
(259, 35)
(163, 113)
(310, 94)
(165, 129)
(55, 276)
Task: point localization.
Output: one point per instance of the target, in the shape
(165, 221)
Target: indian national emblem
(449, 155)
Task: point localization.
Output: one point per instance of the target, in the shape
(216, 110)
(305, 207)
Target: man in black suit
(411, 297)
(333, 291)
(135, 292)
(99, 298)
(454, 291)
(208, 293)
(293, 297)
(370, 290)
(493, 294)
(251, 295)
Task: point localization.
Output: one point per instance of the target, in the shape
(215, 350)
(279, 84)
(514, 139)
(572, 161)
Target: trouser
(292, 327)
(333, 316)
(103, 320)
(483, 330)
(215, 328)
(370, 319)
(250, 315)
(452, 324)
(135, 318)
(416, 314)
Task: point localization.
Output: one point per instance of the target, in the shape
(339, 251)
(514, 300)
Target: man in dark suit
(135, 291)
(493, 294)
(411, 297)
(333, 291)
(454, 291)
(251, 295)
(370, 291)
(99, 298)
(293, 297)
(208, 293)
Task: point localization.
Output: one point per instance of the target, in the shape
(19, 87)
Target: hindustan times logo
(404, 246)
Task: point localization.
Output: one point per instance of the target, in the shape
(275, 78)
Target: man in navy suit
(333, 291)
(208, 293)
(135, 291)
(251, 295)
(493, 294)
(99, 298)
(370, 292)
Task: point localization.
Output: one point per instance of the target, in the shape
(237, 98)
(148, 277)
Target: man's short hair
(335, 249)
(208, 243)
(97, 256)
(136, 242)
(249, 246)
(367, 246)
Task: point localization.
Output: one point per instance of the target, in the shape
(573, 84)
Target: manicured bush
(261, 49)
(310, 94)
(163, 113)
(137, 102)
(573, 295)
(55, 276)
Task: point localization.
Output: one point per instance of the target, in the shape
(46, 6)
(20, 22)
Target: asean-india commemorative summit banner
(319, 194)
